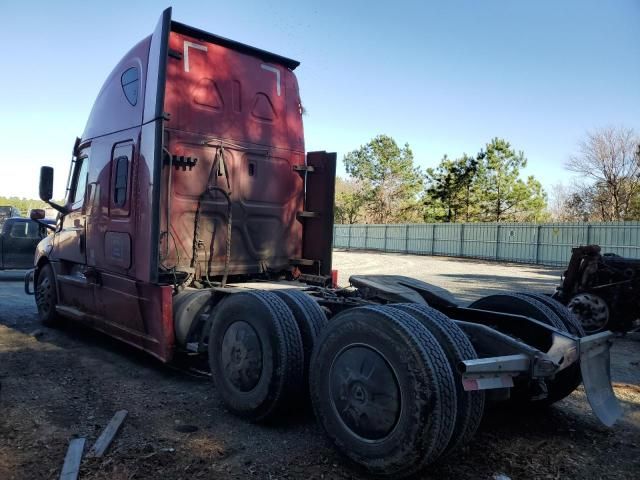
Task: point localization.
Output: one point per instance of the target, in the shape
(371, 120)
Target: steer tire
(457, 347)
(565, 381)
(310, 318)
(382, 390)
(256, 354)
(47, 297)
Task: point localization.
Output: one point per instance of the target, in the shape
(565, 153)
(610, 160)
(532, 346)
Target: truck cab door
(75, 288)
(71, 239)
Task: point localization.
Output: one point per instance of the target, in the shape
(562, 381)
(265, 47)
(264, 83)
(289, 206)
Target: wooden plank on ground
(105, 438)
(71, 466)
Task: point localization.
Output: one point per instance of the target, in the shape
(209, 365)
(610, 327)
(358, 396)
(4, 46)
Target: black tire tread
(290, 364)
(310, 318)
(290, 390)
(544, 314)
(412, 457)
(568, 318)
(443, 373)
(457, 347)
(53, 319)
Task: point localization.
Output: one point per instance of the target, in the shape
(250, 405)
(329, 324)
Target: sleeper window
(130, 81)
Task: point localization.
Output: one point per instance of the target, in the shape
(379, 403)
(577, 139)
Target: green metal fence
(544, 244)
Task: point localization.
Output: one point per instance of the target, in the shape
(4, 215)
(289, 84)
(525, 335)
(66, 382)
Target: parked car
(18, 242)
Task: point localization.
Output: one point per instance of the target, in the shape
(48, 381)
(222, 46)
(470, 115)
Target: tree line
(385, 186)
(23, 204)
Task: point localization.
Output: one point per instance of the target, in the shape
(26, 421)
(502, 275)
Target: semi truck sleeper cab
(195, 223)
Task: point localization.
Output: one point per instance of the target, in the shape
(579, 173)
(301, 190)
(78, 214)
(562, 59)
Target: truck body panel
(101, 251)
(184, 120)
(240, 116)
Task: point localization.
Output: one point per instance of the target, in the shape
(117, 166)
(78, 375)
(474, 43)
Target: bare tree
(558, 197)
(576, 202)
(609, 158)
(349, 201)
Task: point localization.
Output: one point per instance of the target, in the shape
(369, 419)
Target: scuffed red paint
(230, 99)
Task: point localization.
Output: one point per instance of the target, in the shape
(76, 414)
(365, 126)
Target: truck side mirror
(46, 189)
(37, 214)
(46, 183)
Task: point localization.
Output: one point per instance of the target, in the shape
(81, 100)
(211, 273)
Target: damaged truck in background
(602, 290)
(195, 225)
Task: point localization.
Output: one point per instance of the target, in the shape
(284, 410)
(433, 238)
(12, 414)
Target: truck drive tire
(457, 347)
(570, 378)
(310, 318)
(565, 381)
(569, 319)
(382, 390)
(255, 354)
(519, 304)
(47, 297)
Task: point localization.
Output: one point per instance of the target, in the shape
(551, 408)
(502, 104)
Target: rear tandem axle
(396, 371)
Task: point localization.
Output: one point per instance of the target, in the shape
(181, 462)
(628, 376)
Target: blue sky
(445, 77)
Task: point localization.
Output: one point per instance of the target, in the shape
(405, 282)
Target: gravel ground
(57, 384)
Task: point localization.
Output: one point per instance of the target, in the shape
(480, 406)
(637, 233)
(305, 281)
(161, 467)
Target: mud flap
(595, 364)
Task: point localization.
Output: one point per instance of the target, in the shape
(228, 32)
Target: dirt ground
(58, 384)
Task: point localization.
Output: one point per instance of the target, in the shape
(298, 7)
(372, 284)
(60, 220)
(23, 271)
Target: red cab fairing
(237, 111)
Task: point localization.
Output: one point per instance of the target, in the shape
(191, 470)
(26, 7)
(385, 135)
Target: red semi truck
(195, 224)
